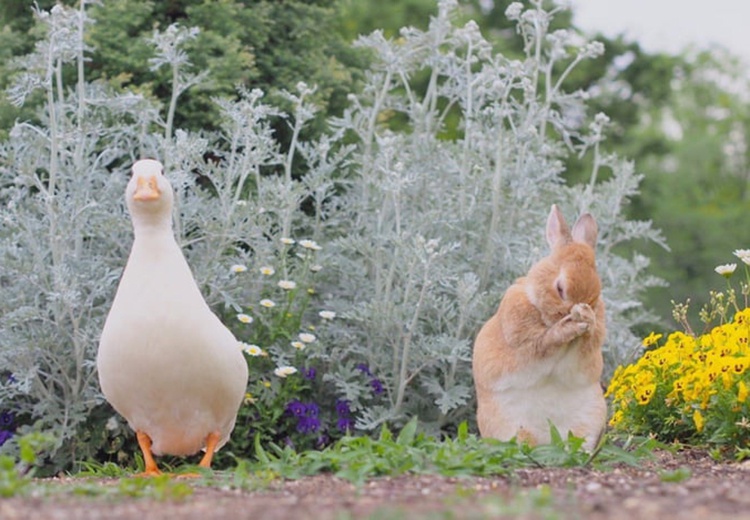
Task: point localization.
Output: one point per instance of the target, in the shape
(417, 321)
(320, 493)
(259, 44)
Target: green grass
(355, 459)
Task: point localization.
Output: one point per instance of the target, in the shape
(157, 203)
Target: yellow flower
(644, 378)
(743, 316)
(645, 393)
(739, 365)
(651, 339)
(680, 341)
(741, 392)
(249, 399)
(616, 418)
(698, 420)
(678, 388)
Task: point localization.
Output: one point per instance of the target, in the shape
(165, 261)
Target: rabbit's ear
(557, 229)
(585, 230)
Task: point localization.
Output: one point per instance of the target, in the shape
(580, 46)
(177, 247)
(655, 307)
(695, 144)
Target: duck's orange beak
(147, 189)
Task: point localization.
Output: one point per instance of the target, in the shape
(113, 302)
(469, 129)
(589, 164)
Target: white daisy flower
(744, 255)
(252, 350)
(310, 244)
(287, 284)
(267, 270)
(245, 318)
(237, 268)
(327, 315)
(306, 337)
(285, 371)
(298, 345)
(315, 268)
(268, 304)
(726, 270)
(287, 241)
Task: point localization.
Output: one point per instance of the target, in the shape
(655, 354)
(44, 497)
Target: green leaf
(408, 433)
(260, 452)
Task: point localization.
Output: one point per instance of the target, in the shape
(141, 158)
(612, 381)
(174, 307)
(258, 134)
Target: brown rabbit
(538, 360)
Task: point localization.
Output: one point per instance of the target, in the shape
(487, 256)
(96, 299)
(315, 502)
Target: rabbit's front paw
(582, 313)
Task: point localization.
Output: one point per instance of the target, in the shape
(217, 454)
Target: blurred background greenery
(683, 119)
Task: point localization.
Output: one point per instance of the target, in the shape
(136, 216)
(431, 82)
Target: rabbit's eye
(560, 288)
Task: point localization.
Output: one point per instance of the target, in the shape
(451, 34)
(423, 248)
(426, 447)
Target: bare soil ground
(685, 486)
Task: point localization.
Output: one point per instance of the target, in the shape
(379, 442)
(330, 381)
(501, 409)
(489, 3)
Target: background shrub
(437, 227)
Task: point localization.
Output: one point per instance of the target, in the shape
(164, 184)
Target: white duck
(166, 363)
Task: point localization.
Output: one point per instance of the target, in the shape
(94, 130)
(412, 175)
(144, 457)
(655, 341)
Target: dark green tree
(251, 43)
(696, 184)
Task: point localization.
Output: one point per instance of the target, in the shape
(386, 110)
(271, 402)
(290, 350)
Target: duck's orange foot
(151, 470)
(211, 442)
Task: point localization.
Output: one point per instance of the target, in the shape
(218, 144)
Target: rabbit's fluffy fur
(538, 360)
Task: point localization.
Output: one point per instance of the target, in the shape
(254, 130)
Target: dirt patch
(687, 486)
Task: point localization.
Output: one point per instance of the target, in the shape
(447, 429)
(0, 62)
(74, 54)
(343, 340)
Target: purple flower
(312, 410)
(309, 373)
(6, 419)
(345, 424)
(296, 408)
(308, 424)
(5, 436)
(377, 386)
(362, 367)
(342, 408)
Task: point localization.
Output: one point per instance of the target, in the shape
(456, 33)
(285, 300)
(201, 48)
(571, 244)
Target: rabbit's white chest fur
(551, 390)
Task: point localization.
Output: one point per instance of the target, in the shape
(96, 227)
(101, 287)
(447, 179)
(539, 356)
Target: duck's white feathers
(166, 362)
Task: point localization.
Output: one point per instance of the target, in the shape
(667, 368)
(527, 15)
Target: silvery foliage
(437, 228)
(62, 236)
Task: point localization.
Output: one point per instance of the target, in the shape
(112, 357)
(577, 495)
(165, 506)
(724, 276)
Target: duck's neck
(153, 230)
